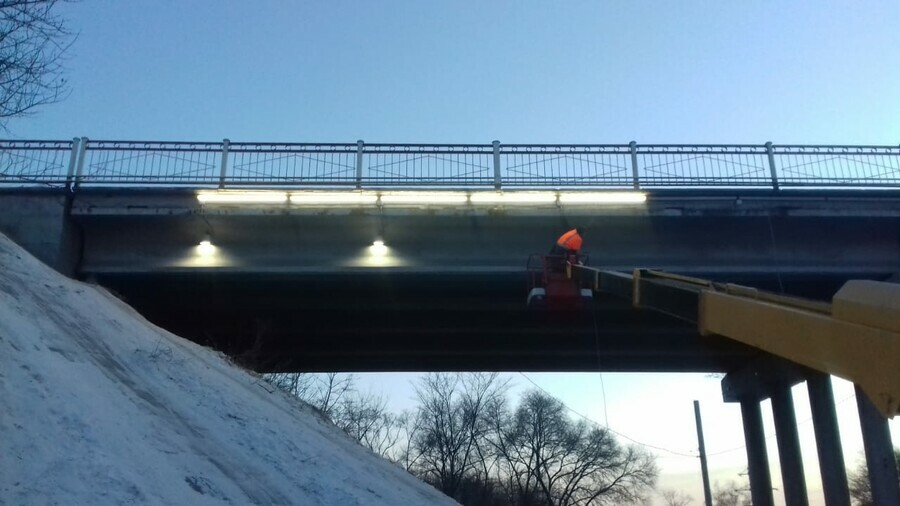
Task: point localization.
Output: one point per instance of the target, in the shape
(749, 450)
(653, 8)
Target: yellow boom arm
(856, 337)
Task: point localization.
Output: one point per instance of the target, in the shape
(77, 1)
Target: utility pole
(703, 469)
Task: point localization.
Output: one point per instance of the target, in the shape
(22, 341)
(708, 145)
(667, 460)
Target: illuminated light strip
(602, 198)
(513, 198)
(326, 198)
(242, 197)
(415, 197)
(424, 198)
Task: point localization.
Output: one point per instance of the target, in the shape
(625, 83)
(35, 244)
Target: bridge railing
(30, 163)
(146, 163)
(89, 163)
(863, 166)
(709, 166)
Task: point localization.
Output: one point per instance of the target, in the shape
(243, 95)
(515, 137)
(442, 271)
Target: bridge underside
(299, 288)
(378, 322)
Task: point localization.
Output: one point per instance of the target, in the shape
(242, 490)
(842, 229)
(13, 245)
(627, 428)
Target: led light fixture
(334, 198)
(424, 198)
(241, 197)
(512, 198)
(206, 248)
(602, 198)
(378, 248)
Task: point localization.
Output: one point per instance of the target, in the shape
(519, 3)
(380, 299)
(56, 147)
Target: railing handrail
(481, 145)
(317, 164)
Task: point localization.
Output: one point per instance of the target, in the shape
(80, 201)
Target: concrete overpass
(793, 218)
(300, 287)
(290, 285)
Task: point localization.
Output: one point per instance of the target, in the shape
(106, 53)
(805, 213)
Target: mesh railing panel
(151, 163)
(838, 165)
(565, 166)
(737, 166)
(27, 163)
(291, 164)
(437, 165)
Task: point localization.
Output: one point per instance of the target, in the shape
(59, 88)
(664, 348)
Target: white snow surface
(99, 406)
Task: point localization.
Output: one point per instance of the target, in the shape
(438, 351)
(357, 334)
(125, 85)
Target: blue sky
(605, 72)
(521, 72)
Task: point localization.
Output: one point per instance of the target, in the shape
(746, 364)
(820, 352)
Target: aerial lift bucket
(551, 286)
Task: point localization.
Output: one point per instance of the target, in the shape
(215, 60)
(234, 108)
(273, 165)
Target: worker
(568, 243)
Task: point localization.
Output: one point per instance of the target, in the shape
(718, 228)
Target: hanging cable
(599, 368)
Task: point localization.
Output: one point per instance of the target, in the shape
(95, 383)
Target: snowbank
(99, 406)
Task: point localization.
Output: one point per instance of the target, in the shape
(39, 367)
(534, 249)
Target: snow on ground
(99, 406)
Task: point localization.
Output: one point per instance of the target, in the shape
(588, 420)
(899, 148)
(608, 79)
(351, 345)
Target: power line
(588, 419)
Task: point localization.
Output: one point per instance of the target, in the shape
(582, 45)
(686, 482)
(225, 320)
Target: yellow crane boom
(856, 337)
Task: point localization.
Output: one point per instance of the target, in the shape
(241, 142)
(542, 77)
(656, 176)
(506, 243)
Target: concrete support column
(828, 440)
(757, 457)
(879, 452)
(41, 224)
(792, 476)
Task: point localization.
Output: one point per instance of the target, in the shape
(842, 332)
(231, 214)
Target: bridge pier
(41, 223)
(879, 452)
(757, 456)
(763, 378)
(773, 378)
(828, 439)
(793, 478)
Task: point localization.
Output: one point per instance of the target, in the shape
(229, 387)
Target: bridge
(356, 256)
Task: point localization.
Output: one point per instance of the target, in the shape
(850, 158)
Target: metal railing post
(223, 170)
(73, 160)
(497, 180)
(79, 168)
(360, 146)
(634, 165)
(771, 153)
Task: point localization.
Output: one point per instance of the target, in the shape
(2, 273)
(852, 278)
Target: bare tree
(323, 391)
(861, 487)
(545, 455)
(451, 440)
(363, 417)
(674, 497)
(33, 41)
(331, 389)
(366, 419)
(731, 494)
(409, 424)
(296, 384)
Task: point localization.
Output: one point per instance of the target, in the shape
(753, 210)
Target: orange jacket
(570, 240)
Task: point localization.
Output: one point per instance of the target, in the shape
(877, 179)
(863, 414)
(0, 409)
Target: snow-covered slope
(98, 406)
